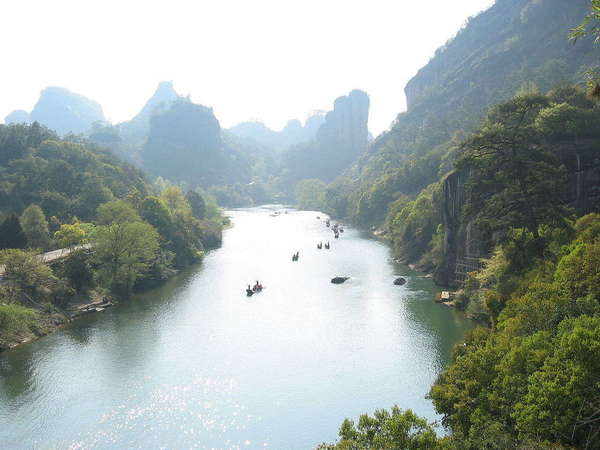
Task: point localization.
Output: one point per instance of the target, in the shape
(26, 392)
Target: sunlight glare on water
(197, 364)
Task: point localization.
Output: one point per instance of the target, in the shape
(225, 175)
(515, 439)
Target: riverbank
(194, 359)
(30, 324)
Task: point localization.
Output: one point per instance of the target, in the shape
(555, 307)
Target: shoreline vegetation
(122, 234)
(490, 181)
(510, 197)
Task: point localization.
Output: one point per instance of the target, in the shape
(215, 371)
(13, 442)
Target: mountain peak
(62, 111)
(165, 93)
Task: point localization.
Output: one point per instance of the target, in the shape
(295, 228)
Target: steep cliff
(340, 140)
(516, 46)
(464, 244)
(136, 129)
(185, 144)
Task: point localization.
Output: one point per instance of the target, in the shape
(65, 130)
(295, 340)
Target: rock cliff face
(488, 60)
(62, 111)
(464, 244)
(340, 140)
(346, 128)
(514, 45)
(137, 128)
(185, 144)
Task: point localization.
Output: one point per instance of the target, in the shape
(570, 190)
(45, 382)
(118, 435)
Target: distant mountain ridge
(183, 142)
(292, 134)
(62, 111)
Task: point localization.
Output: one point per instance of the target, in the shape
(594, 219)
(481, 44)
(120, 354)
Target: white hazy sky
(270, 60)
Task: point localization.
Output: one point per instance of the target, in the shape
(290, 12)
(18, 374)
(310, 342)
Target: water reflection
(197, 364)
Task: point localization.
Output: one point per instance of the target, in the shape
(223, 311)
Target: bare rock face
(340, 140)
(465, 244)
(138, 128)
(345, 129)
(184, 144)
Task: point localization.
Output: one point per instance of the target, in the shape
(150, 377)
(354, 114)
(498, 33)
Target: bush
(15, 320)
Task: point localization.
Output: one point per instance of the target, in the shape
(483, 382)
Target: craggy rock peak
(62, 111)
(185, 144)
(339, 142)
(346, 127)
(165, 94)
(138, 127)
(292, 134)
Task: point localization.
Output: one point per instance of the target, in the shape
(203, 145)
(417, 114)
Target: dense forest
(507, 173)
(490, 181)
(184, 143)
(121, 231)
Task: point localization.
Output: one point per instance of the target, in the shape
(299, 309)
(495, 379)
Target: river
(197, 364)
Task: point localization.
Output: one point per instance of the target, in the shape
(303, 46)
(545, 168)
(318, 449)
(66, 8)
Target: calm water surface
(197, 364)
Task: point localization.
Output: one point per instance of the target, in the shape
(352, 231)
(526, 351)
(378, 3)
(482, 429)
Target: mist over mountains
(62, 111)
(173, 138)
(292, 134)
(489, 183)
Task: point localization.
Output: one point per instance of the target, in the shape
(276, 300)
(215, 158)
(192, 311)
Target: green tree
(116, 211)
(77, 268)
(35, 227)
(563, 397)
(175, 201)
(590, 26)
(11, 233)
(395, 429)
(124, 250)
(92, 194)
(197, 204)
(72, 235)
(310, 194)
(154, 211)
(514, 181)
(25, 275)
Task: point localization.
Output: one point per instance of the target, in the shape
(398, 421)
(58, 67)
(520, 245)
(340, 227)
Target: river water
(197, 364)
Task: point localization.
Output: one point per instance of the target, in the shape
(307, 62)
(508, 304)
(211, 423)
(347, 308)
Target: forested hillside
(515, 46)
(122, 231)
(503, 205)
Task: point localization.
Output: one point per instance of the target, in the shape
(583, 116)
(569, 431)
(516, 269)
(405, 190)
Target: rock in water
(339, 280)
(400, 281)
